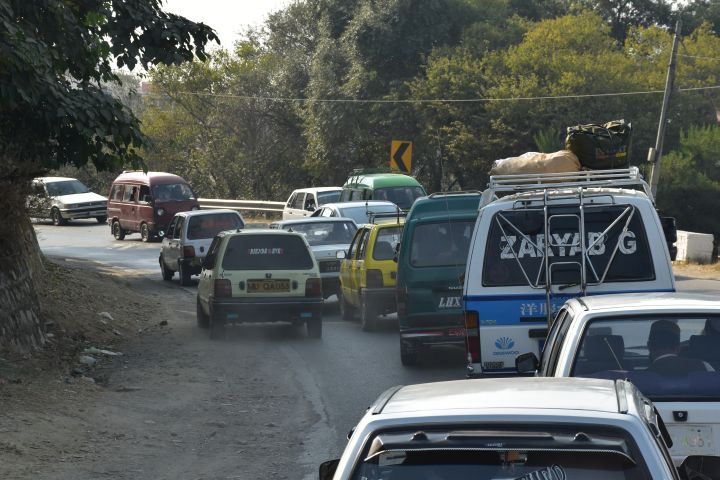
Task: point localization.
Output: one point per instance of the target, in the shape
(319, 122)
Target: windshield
(360, 214)
(267, 252)
(403, 197)
(441, 244)
(668, 356)
(65, 187)
(324, 233)
(328, 197)
(207, 226)
(172, 192)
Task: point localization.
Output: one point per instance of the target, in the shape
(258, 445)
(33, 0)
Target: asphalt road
(338, 376)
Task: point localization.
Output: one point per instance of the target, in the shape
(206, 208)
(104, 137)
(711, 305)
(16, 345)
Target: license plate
(268, 286)
(305, 314)
(456, 332)
(692, 440)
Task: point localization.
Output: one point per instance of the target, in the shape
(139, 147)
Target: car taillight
(472, 336)
(374, 278)
(223, 288)
(401, 296)
(188, 251)
(313, 287)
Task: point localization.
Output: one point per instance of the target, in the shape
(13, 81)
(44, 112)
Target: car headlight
(160, 212)
(71, 205)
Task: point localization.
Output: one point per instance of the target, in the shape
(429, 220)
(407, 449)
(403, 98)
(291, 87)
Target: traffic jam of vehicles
(583, 362)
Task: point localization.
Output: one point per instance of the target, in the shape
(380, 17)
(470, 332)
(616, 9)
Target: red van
(146, 202)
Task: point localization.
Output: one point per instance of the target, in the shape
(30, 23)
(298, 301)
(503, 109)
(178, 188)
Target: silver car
(61, 199)
(360, 212)
(507, 429)
(326, 237)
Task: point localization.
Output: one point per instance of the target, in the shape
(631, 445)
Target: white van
(304, 201)
(605, 237)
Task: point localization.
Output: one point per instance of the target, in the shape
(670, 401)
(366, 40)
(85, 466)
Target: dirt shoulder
(170, 405)
(694, 270)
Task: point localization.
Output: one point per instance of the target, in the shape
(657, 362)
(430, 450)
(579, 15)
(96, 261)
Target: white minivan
(603, 236)
(304, 201)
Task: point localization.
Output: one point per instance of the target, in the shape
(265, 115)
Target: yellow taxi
(368, 271)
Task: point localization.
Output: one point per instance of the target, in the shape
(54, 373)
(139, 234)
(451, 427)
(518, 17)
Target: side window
(130, 193)
(144, 192)
(561, 325)
(212, 253)
(363, 247)
(298, 202)
(171, 228)
(116, 194)
(179, 227)
(345, 195)
(359, 237)
(291, 200)
(367, 194)
(356, 195)
(326, 212)
(310, 202)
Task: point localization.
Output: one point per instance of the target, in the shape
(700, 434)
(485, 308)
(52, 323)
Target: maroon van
(146, 202)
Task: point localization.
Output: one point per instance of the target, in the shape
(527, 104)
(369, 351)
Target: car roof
(444, 204)
(312, 220)
(196, 213)
(380, 180)
(318, 189)
(53, 179)
(358, 203)
(627, 302)
(261, 231)
(156, 177)
(525, 393)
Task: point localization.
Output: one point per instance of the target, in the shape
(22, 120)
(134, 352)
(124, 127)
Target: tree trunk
(20, 267)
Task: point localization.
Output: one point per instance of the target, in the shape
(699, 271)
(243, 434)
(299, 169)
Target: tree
(55, 56)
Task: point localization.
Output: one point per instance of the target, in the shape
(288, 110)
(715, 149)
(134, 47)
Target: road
(326, 384)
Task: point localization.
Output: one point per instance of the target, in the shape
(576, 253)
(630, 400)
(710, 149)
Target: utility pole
(655, 154)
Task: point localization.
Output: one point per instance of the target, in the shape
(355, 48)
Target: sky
(227, 17)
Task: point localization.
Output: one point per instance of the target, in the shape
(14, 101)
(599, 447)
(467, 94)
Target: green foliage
(548, 140)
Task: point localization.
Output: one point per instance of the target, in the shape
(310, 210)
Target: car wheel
(314, 327)
(368, 316)
(346, 310)
(408, 356)
(101, 219)
(184, 274)
(144, 232)
(117, 231)
(56, 217)
(167, 274)
(217, 326)
(203, 320)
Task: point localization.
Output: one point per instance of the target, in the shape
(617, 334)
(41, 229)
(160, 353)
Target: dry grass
(710, 271)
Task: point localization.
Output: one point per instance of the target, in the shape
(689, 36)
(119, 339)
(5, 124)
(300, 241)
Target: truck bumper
(266, 310)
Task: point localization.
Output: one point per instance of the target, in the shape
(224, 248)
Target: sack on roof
(601, 147)
(536, 162)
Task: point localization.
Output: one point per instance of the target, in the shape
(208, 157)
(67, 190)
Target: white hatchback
(304, 201)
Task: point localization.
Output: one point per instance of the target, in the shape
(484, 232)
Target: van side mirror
(700, 467)
(340, 254)
(527, 363)
(327, 469)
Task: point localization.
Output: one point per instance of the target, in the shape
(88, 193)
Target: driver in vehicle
(664, 347)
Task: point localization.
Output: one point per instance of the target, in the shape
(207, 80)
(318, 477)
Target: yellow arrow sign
(401, 156)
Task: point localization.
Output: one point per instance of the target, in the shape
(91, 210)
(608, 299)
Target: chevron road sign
(401, 156)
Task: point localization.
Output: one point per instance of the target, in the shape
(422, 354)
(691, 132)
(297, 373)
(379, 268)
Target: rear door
(296, 207)
(128, 208)
(174, 245)
(168, 253)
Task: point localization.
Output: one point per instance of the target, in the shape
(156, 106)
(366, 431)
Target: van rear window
(441, 244)
(207, 226)
(267, 252)
(516, 247)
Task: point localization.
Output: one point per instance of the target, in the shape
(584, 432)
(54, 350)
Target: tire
(314, 327)
(203, 321)
(101, 219)
(347, 312)
(117, 230)
(408, 357)
(57, 218)
(167, 274)
(217, 327)
(368, 316)
(184, 275)
(144, 232)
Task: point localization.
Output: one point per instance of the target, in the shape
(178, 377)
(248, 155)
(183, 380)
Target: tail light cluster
(401, 296)
(222, 288)
(472, 336)
(313, 287)
(188, 251)
(374, 278)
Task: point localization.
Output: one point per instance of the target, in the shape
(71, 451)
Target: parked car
(259, 275)
(304, 201)
(605, 237)
(667, 344)
(507, 429)
(400, 189)
(368, 271)
(430, 264)
(326, 236)
(359, 212)
(61, 199)
(146, 202)
(188, 239)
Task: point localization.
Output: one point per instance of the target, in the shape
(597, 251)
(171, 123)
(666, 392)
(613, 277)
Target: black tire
(314, 327)
(57, 218)
(167, 274)
(144, 232)
(101, 219)
(408, 356)
(217, 327)
(368, 316)
(347, 312)
(203, 320)
(184, 274)
(117, 230)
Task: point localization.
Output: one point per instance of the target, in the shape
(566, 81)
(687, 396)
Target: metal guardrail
(256, 205)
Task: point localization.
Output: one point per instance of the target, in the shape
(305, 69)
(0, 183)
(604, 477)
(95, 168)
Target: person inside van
(664, 347)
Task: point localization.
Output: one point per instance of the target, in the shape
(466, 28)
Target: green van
(432, 256)
(400, 189)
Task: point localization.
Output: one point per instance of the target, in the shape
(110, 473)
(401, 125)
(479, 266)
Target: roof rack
(629, 177)
(368, 170)
(372, 216)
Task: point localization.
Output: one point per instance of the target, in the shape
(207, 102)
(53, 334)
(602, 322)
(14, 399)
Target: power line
(425, 101)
